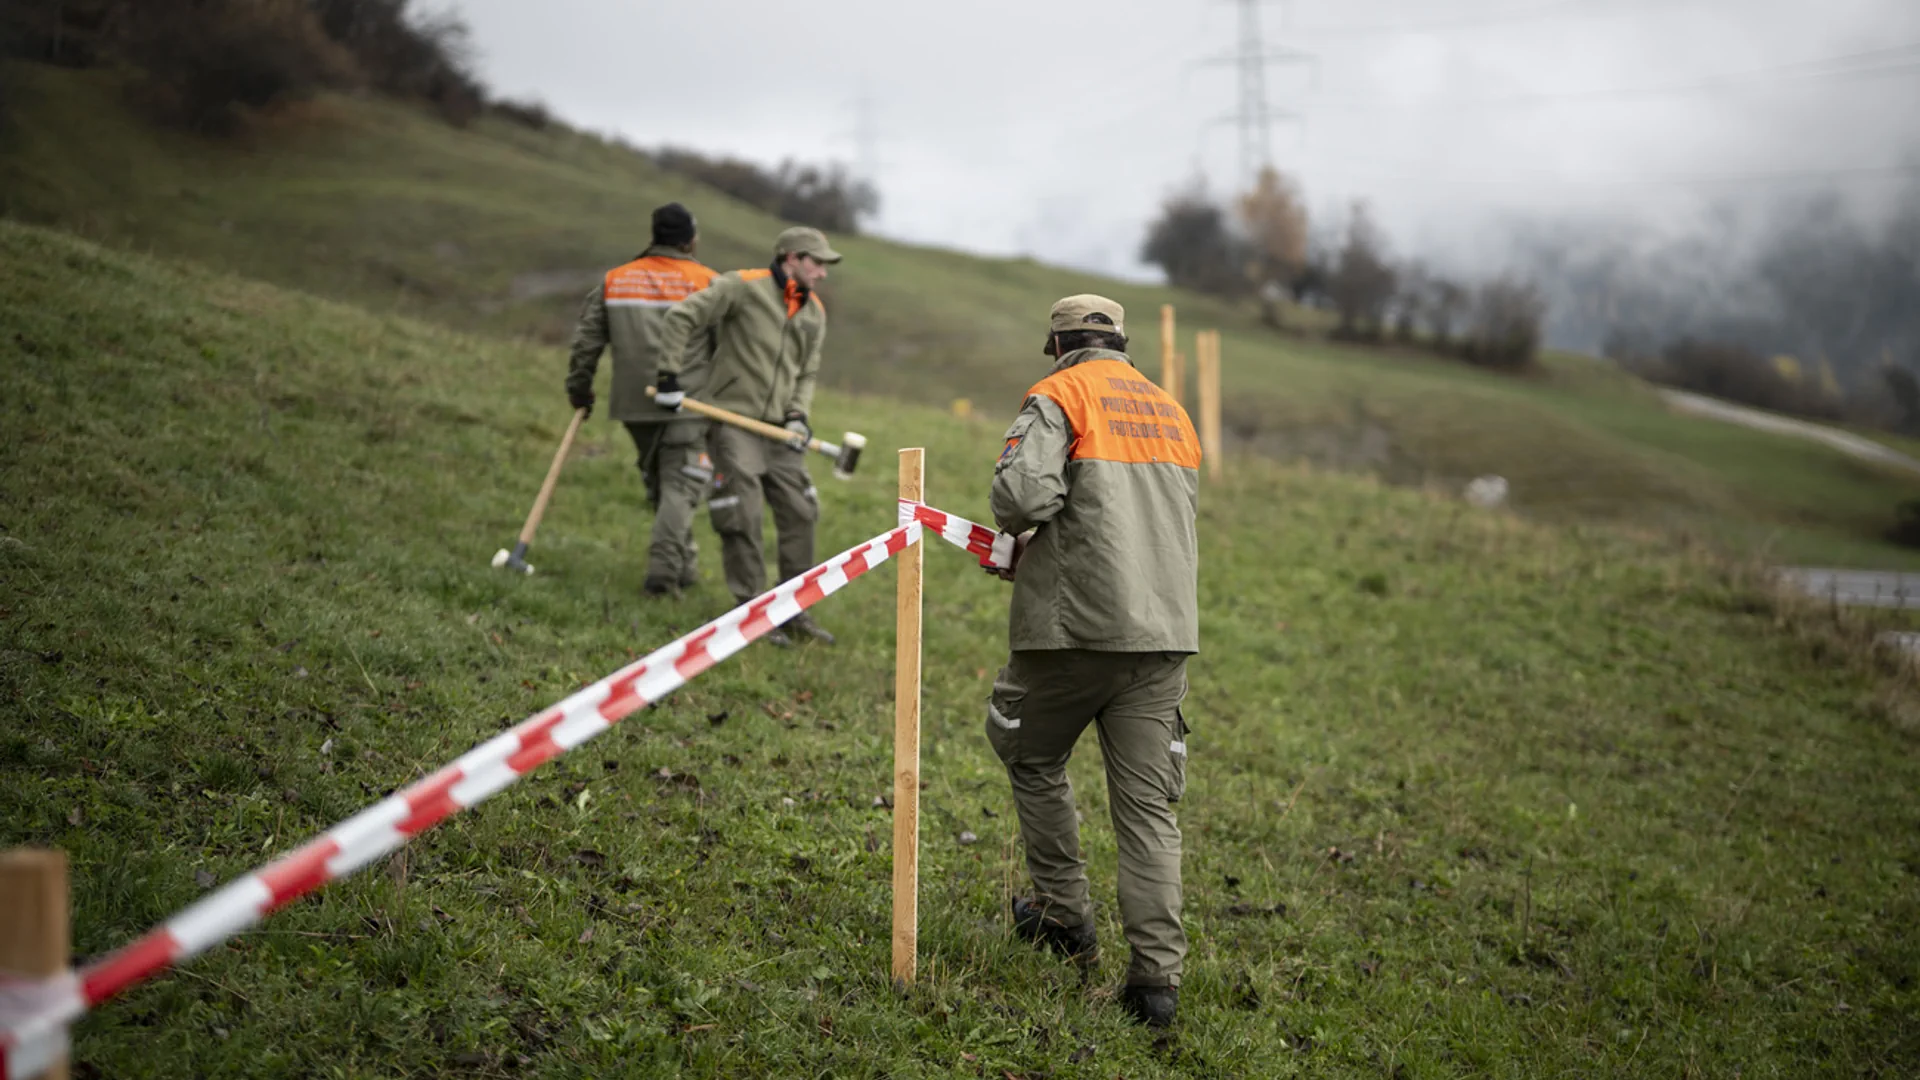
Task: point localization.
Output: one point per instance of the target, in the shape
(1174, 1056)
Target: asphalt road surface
(1844, 441)
(1857, 588)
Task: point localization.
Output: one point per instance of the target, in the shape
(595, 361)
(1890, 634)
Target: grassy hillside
(498, 230)
(1469, 796)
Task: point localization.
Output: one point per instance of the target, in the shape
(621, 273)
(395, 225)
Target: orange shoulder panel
(758, 274)
(656, 281)
(1117, 415)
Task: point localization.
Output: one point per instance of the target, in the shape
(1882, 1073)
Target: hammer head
(850, 446)
(513, 560)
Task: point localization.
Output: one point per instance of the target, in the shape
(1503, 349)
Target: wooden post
(33, 919)
(906, 737)
(1207, 346)
(1168, 362)
(1176, 377)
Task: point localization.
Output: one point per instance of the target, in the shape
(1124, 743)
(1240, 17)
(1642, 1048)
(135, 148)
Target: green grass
(385, 207)
(1469, 796)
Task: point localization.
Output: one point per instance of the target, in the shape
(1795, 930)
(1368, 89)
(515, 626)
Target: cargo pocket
(1003, 717)
(1177, 758)
(726, 513)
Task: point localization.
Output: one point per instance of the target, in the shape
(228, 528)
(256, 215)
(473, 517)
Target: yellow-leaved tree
(1276, 224)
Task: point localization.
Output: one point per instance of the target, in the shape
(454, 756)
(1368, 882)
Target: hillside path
(1844, 441)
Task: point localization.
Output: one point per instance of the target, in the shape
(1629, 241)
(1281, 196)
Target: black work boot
(1153, 1006)
(803, 624)
(1032, 922)
(659, 589)
(777, 638)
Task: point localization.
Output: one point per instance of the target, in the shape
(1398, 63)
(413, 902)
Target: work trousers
(1042, 701)
(677, 473)
(751, 473)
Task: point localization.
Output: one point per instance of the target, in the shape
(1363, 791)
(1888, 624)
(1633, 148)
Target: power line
(1575, 8)
(1513, 178)
(1881, 63)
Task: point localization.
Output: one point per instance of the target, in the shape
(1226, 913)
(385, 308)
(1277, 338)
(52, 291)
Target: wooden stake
(33, 919)
(1168, 362)
(1207, 346)
(906, 737)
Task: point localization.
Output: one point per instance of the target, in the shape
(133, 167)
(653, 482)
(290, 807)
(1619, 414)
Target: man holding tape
(1101, 470)
(768, 328)
(626, 310)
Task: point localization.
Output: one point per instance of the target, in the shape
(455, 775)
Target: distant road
(1844, 441)
(1862, 588)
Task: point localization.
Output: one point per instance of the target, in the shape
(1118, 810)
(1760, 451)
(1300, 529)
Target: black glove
(667, 392)
(802, 434)
(581, 399)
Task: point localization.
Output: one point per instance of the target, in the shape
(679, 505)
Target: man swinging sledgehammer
(768, 328)
(1103, 468)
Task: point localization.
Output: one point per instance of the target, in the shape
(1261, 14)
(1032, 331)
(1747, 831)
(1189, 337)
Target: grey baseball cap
(805, 240)
(1087, 312)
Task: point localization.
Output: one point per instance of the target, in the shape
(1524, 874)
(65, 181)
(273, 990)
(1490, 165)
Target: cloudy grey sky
(1054, 128)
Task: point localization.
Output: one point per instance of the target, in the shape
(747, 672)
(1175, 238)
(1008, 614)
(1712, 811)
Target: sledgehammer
(517, 558)
(845, 456)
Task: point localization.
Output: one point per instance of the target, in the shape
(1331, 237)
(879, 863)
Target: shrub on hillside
(1905, 530)
(1504, 331)
(1735, 373)
(1903, 394)
(72, 33)
(528, 114)
(743, 180)
(406, 54)
(207, 61)
(825, 197)
(1194, 243)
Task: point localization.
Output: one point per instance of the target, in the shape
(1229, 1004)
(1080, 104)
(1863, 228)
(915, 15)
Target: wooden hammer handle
(553, 477)
(744, 423)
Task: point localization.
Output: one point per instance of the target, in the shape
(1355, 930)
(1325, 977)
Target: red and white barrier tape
(994, 549)
(35, 1014)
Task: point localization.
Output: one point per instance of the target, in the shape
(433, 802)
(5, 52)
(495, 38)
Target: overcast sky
(1053, 128)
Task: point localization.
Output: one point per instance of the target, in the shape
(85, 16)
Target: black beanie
(673, 225)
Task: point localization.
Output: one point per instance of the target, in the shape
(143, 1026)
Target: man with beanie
(768, 327)
(627, 309)
(1099, 479)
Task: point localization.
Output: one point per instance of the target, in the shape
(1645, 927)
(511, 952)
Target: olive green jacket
(767, 342)
(1105, 468)
(627, 310)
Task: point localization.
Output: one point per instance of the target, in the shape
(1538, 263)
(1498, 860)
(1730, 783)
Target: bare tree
(1409, 301)
(1446, 304)
(1363, 278)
